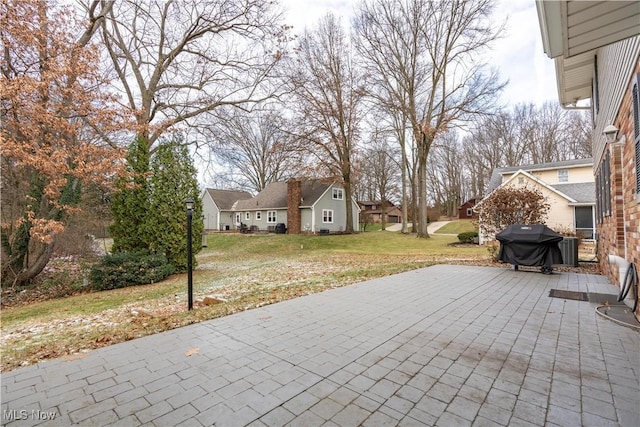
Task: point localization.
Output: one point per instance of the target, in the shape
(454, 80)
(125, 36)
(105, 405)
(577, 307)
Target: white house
(217, 206)
(569, 188)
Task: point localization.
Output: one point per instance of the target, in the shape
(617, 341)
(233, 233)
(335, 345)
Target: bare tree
(445, 174)
(552, 133)
(328, 89)
(426, 54)
(380, 166)
(528, 134)
(176, 60)
(255, 146)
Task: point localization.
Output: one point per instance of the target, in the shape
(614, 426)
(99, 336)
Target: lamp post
(190, 203)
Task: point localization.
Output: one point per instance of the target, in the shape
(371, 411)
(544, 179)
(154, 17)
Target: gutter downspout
(622, 265)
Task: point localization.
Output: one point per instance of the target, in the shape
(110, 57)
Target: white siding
(210, 212)
(616, 63)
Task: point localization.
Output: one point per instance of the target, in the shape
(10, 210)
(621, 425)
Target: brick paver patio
(444, 345)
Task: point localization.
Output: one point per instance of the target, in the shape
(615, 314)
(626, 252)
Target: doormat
(578, 296)
(607, 299)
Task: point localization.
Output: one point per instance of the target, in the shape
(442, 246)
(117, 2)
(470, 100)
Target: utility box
(569, 249)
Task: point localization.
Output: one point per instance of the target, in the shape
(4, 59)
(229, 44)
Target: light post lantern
(610, 133)
(190, 203)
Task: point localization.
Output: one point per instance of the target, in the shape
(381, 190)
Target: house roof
(582, 193)
(468, 202)
(274, 195)
(573, 30)
(496, 176)
(225, 199)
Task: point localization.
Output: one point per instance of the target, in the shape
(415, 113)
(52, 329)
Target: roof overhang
(573, 30)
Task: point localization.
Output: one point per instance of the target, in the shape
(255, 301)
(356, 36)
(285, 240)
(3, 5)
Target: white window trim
(327, 213)
(271, 220)
(247, 216)
(564, 176)
(338, 194)
(258, 216)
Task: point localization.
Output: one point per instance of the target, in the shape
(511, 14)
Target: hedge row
(129, 268)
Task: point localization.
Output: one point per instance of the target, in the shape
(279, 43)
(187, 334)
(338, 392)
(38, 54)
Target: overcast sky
(518, 55)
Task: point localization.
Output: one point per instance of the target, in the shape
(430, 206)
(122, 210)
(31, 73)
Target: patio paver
(443, 345)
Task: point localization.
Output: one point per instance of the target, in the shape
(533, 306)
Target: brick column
(294, 216)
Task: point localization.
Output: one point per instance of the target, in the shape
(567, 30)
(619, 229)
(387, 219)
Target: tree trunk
(349, 206)
(405, 198)
(422, 191)
(20, 277)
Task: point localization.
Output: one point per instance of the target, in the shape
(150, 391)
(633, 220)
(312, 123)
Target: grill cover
(532, 245)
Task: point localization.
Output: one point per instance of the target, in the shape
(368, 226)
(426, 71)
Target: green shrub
(467, 236)
(129, 268)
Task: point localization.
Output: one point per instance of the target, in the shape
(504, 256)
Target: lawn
(457, 227)
(243, 271)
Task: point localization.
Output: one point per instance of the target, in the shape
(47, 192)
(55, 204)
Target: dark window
(635, 95)
(607, 184)
(584, 222)
(603, 189)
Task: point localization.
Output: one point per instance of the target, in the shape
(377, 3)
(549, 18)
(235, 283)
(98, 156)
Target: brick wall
(294, 215)
(619, 234)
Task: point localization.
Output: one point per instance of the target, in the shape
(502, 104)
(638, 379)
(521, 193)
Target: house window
(584, 221)
(603, 189)
(338, 193)
(238, 218)
(635, 95)
(327, 216)
(258, 216)
(272, 216)
(521, 180)
(563, 175)
(469, 212)
(247, 216)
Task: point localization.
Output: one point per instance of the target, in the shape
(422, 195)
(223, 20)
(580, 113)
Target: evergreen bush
(124, 269)
(467, 236)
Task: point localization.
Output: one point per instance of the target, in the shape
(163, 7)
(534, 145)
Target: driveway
(443, 345)
(431, 228)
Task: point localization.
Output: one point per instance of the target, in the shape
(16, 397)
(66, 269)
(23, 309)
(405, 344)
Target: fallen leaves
(192, 351)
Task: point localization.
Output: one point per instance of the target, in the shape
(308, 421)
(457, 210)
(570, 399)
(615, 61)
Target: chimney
(294, 197)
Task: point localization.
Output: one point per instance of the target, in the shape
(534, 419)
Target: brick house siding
(619, 233)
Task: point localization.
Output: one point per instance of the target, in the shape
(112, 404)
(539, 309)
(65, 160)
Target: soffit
(572, 31)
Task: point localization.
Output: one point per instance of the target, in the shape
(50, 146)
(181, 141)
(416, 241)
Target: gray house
(302, 205)
(306, 205)
(217, 206)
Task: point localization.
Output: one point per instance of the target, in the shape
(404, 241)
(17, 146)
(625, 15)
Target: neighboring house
(217, 206)
(568, 186)
(374, 209)
(465, 210)
(307, 205)
(596, 48)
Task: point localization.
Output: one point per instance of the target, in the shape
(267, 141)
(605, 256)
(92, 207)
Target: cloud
(518, 55)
